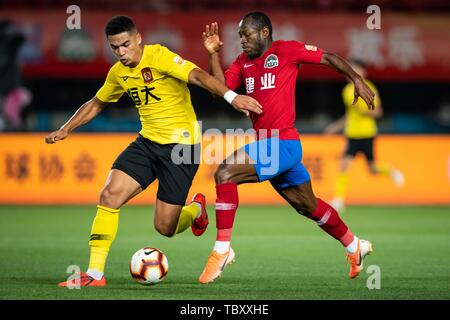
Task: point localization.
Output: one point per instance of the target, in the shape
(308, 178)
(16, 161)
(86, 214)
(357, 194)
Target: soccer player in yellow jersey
(360, 130)
(155, 78)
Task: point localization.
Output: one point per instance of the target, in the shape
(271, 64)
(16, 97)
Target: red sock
(328, 219)
(226, 205)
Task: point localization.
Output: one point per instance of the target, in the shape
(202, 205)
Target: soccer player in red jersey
(268, 70)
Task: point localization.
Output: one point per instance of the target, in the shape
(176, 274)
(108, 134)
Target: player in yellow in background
(360, 130)
(156, 79)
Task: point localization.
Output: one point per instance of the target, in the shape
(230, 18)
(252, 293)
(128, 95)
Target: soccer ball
(148, 266)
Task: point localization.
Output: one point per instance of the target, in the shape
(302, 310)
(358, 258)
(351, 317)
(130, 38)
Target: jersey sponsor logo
(249, 85)
(268, 81)
(179, 60)
(147, 75)
(248, 65)
(310, 47)
(271, 61)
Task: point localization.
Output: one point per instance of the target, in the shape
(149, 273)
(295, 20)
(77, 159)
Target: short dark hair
(119, 24)
(259, 20)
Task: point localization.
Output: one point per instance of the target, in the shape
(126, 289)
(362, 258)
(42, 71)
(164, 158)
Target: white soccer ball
(149, 266)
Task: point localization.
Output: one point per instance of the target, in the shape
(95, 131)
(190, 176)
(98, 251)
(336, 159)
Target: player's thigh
(367, 146)
(118, 189)
(237, 168)
(138, 162)
(272, 157)
(352, 148)
(175, 178)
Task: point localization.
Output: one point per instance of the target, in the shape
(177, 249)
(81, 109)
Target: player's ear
(139, 38)
(265, 32)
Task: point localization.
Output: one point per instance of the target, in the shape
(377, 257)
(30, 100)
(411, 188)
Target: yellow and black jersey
(158, 87)
(357, 124)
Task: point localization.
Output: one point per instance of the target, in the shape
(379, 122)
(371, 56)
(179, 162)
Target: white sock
(222, 246)
(351, 248)
(94, 273)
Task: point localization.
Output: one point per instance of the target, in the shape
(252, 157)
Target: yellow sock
(103, 233)
(341, 186)
(383, 170)
(187, 216)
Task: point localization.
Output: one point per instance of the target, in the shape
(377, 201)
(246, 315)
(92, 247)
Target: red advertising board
(407, 47)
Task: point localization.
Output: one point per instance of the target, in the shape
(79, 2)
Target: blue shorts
(279, 161)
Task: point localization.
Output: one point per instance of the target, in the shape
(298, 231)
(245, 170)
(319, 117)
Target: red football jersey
(271, 80)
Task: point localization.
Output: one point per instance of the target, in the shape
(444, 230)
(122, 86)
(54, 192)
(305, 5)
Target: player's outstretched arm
(361, 89)
(335, 127)
(212, 44)
(241, 103)
(83, 115)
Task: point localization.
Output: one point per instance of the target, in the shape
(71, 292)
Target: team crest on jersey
(271, 61)
(147, 75)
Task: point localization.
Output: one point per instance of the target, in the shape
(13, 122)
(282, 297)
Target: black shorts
(365, 146)
(145, 161)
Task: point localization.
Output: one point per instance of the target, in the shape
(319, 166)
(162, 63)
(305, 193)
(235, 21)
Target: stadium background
(408, 60)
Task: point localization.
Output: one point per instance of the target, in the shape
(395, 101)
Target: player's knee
(307, 207)
(165, 229)
(222, 174)
(109, 198)
(373, 170)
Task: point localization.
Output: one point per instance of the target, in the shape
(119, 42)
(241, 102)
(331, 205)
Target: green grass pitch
(279, 255)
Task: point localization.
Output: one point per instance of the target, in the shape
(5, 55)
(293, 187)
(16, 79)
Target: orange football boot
(356, 259)
(215, 265)
(85, 280)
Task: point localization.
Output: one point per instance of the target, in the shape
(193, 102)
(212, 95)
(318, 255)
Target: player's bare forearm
(241, 103)
(334, 61)
(335, 127)
(83, 115)
(202, 79)
(212, 44)
(340, 65)
(88, 111)
(216, 68)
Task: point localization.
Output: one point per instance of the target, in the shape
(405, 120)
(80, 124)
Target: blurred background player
(360, 131)
(155, 78)
(268, 69)
(14, 97)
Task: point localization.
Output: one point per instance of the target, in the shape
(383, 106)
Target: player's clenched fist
(56, 136)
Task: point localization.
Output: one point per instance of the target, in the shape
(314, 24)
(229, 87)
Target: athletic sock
(341, 185)
(94, 273)
(384, 170)
(222, 247)
(353, 246)
(187, 215)
(103, 233)
(328, 219)
(226, 205)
